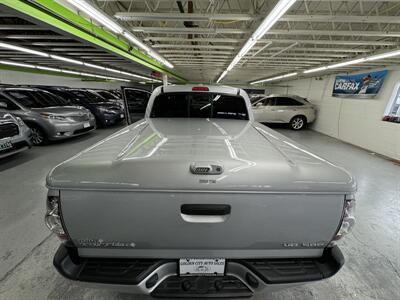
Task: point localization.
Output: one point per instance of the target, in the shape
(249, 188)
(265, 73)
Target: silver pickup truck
(198, 200)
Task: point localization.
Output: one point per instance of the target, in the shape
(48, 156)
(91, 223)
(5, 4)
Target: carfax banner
(365, 85)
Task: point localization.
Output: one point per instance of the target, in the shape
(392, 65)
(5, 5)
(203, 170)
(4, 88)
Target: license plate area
(5, 145)
(201, 266)
(86, 125)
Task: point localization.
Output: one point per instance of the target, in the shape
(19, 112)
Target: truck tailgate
(153, 224)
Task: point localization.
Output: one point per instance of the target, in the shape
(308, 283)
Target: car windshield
(86, 96)
(32, 99)
(50, 97)
(107, 95)
(199, 105)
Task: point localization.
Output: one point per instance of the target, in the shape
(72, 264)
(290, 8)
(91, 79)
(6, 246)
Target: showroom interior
(322, 75)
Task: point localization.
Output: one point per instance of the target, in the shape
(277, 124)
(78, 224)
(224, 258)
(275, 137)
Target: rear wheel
(298, 122)
(38, 136)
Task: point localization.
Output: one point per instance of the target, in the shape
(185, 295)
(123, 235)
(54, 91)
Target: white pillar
(165, 79)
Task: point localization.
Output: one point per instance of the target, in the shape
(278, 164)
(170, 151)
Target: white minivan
(290, 109)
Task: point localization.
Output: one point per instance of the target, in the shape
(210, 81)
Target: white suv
(294, 110)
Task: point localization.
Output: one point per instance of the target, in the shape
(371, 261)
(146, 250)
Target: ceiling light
(11, 63)
(62, 58)
(97, 15)
(48, 69)
(383, 55)
(94, 66)
(222, 76)
(315, 70)
(115, 27)
(355, 61)
(73, 61)
(70, 72)
(346, 63)
(275, 78)
(23, 49)
(280, 8)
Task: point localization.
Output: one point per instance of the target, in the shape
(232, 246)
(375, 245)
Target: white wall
(12, 77)
(356, 121)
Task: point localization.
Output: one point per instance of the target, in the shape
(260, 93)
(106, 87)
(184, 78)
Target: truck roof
(192, 87)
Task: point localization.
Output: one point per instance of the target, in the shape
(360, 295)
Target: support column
(165, 79)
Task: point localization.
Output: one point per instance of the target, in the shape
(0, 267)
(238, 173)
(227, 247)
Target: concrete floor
(372, 250)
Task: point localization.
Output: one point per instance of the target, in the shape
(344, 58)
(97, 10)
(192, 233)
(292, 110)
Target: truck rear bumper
(160, 277)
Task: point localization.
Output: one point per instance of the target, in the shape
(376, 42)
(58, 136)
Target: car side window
(285, 101)
(269, 101)
(10, 105)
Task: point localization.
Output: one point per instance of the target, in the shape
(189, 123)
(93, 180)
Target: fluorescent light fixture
(383, 55)
(70, 72)
(315, 70)
(106, 21)
(136, 41)
(275, 78)
(66, 59)
(48, 69)
(280, 8)
(222, 76)
(72, 61)
(346, 63)
(11, 63)
(23, 49)
(97, 15)
(355, 61)
(94, 66)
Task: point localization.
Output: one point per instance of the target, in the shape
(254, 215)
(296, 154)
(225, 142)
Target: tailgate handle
(206, 209)
(205, 213)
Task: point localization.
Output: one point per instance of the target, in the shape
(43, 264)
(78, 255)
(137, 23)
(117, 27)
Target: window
(199, 105)
(137, 100)
(51, 99)
(107, 95)
(392, 113)
(10, 105)
(25, 99)
(285, 101)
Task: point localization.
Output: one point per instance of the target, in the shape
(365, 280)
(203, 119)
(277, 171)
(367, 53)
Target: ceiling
(201, 37)
(25, 31)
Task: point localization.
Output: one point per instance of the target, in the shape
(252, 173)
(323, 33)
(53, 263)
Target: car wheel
(38, 136)
(298, 123)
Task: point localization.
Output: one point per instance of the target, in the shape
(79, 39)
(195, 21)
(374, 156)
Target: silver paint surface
(372, 250)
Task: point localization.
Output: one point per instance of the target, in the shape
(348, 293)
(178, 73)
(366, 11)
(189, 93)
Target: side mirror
(3, 105)
(259, 104)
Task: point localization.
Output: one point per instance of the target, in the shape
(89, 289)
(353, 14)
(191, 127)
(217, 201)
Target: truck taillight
(200, 88)
(53, 218)
(348, 220)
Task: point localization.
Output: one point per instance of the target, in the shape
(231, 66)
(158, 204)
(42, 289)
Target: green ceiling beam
(82, 28)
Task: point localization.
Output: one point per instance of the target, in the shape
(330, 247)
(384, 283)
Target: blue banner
(365, 85)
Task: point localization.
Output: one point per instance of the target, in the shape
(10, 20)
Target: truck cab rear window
(199, 105)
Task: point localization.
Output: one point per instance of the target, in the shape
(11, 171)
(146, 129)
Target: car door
(285, 109)
(264, 112)
(135, 103)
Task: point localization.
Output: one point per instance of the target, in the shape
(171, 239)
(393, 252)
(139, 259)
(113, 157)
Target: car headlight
(349, 219)
(53, 117)
(53, 218)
